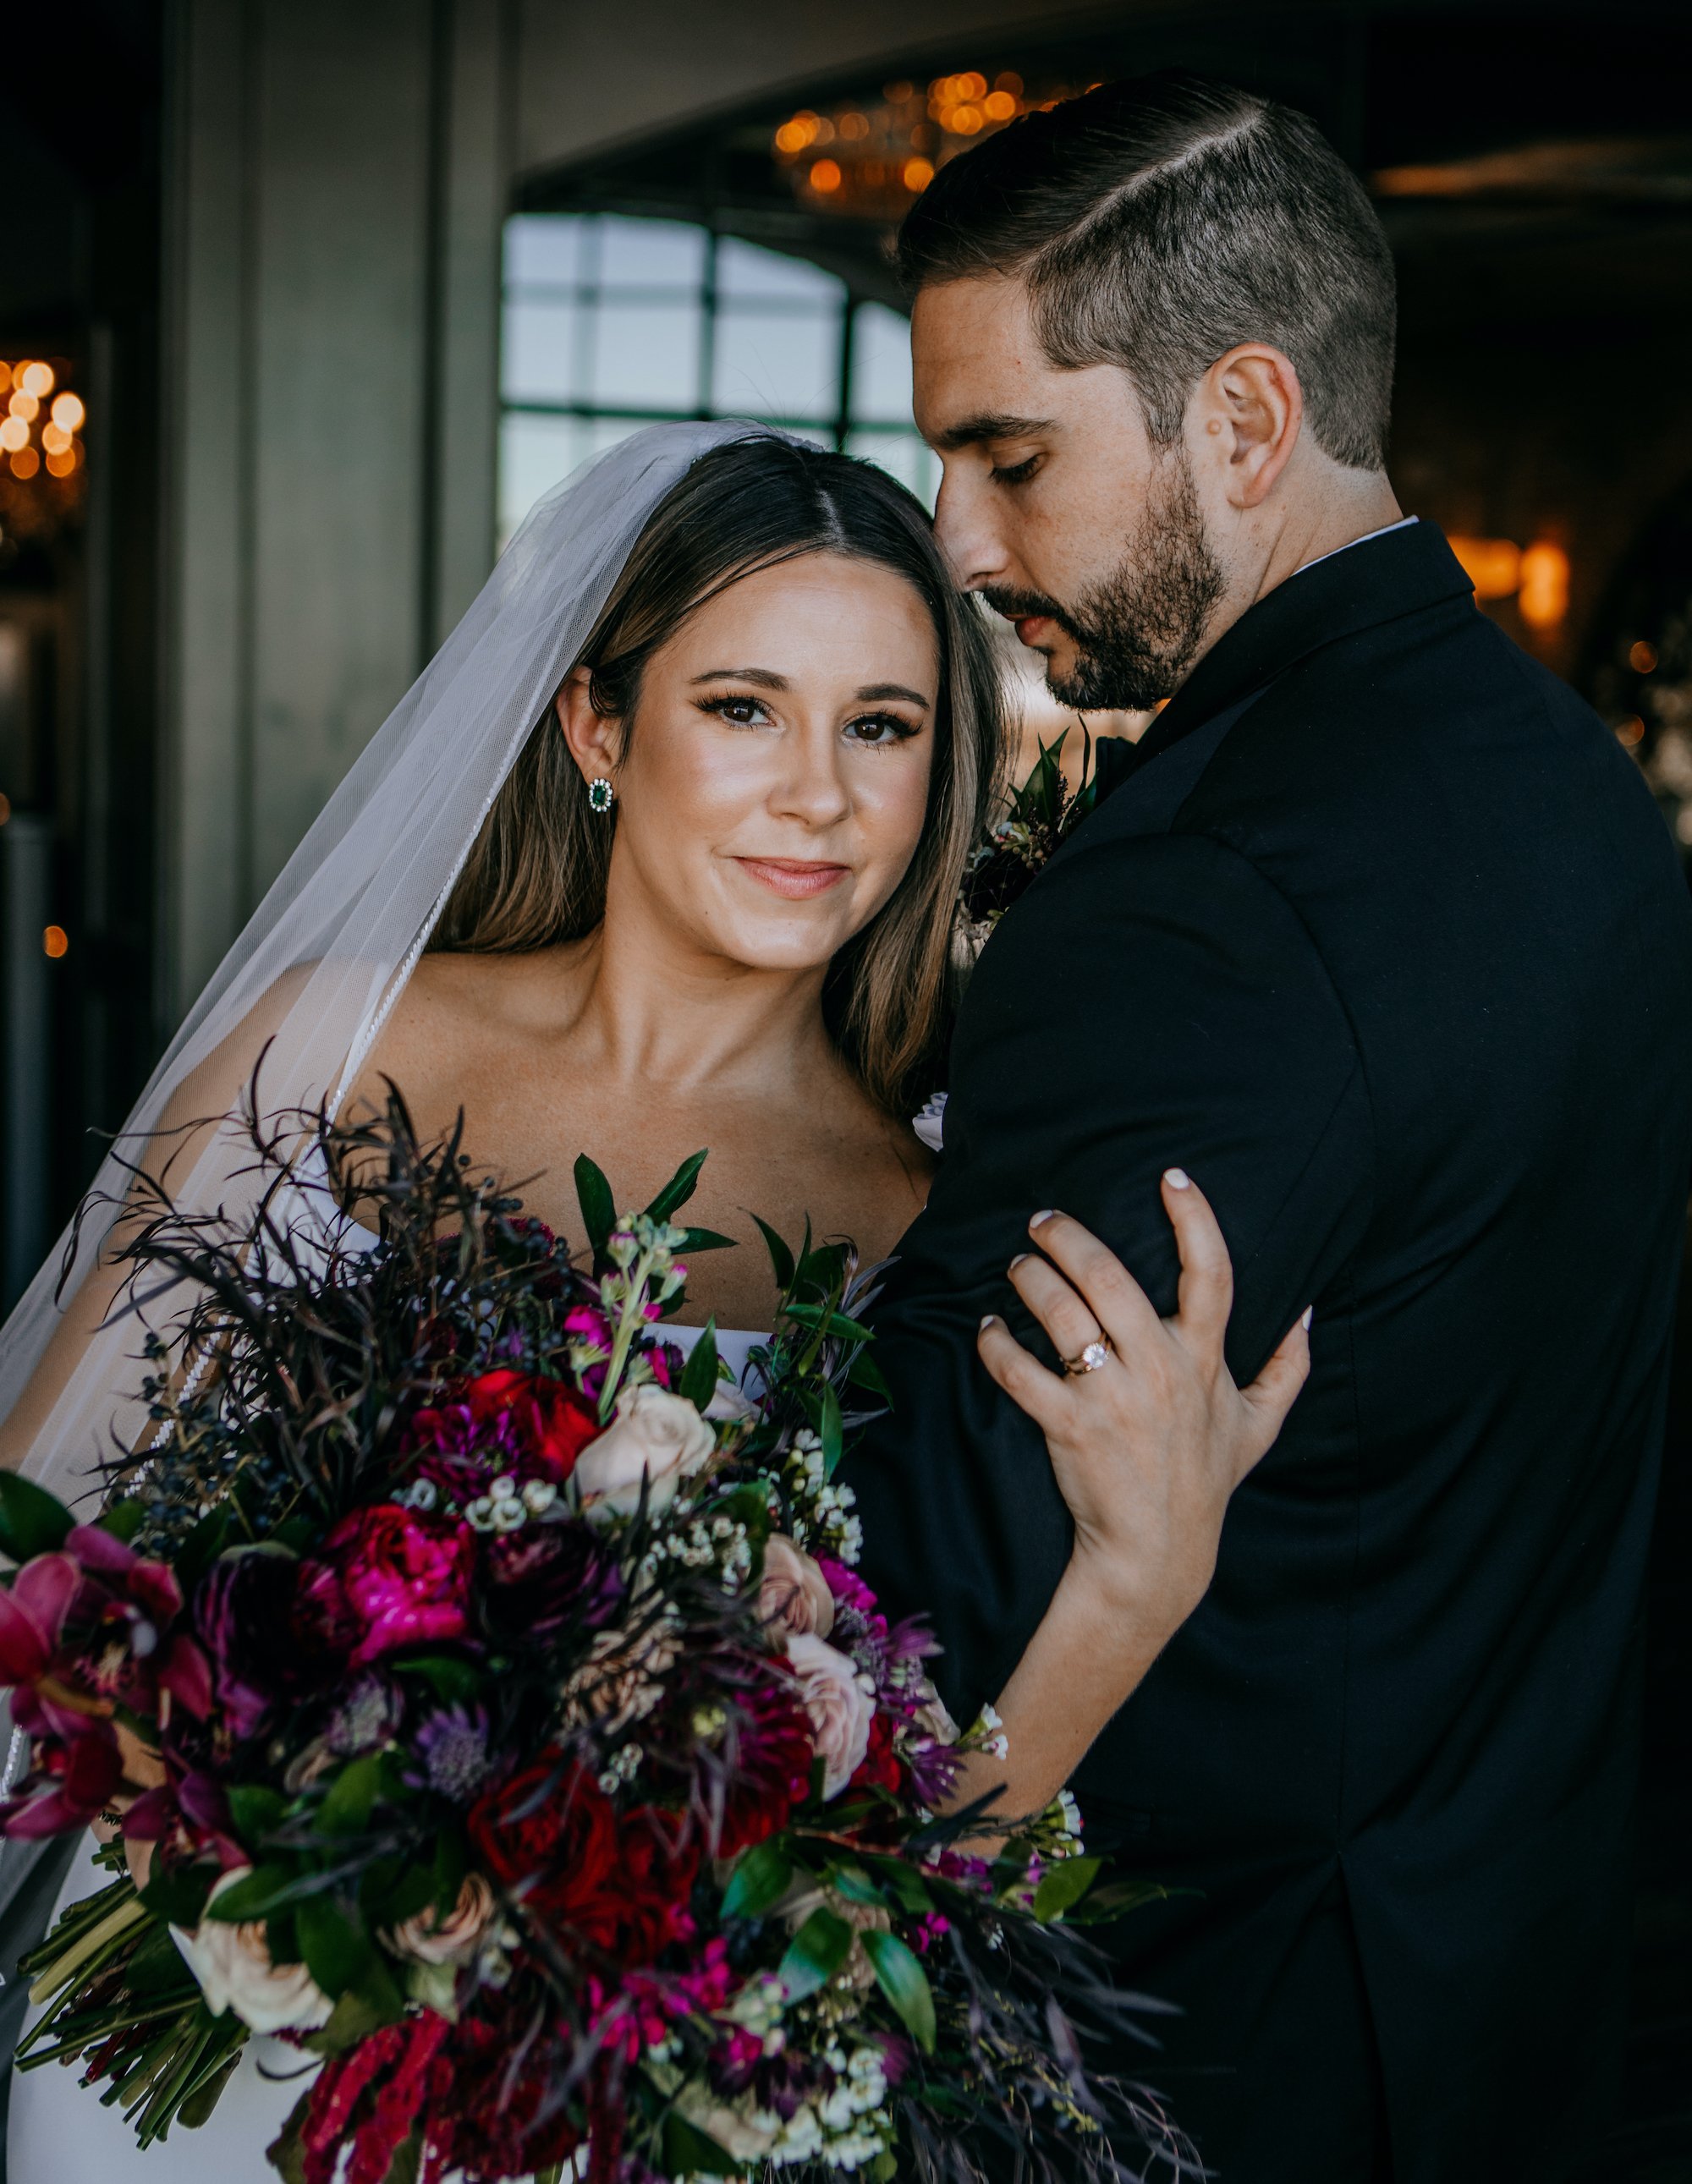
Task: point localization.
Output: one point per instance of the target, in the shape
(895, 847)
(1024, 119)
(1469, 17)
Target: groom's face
(1057, 505)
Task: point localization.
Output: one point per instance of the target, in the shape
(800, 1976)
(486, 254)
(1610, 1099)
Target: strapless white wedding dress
(59, 2133)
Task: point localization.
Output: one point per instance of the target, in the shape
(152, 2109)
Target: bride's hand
(1148, 1448)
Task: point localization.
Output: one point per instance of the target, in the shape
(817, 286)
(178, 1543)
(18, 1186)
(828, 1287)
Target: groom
(1377, 934)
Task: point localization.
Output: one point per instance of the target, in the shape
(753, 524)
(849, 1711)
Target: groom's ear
(1250, 412)
(593, 736)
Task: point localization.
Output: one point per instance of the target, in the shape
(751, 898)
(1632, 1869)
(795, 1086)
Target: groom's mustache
(1018, 606)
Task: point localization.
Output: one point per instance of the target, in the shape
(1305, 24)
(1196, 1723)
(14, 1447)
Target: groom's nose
(967, 535)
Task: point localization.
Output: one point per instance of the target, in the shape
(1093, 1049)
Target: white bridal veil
(354, 907)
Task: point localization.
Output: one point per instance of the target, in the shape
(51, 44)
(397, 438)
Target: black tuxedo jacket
(1383, 938)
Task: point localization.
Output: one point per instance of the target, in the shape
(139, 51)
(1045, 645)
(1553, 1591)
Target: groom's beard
(1138, 632)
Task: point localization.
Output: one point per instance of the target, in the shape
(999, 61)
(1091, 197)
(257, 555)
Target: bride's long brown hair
(536, 873)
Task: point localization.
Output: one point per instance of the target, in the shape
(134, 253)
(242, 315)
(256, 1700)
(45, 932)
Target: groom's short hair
(1161, 221)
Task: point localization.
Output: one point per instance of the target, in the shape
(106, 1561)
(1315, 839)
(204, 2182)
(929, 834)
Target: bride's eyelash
(902, 730)
(720, 707)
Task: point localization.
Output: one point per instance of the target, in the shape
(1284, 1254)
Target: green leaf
(178, 1894)
(354, 2017)
(904, 1982)
(286, 2151)
(196, 2110)
(853, 1882)
(256, 1810)
(32, 1521)
(864, 1372)
(687, 2151)
(760, 1878)
(694, 1240)
(831, 1428)
(1100, 1905)
(679, 1189)
(124, 1519)
(345, 1811)
(394, 1890)
(815, 1954)
(253, 1896)
(905, 1883)
(452, 1680)
(699, 1379)
(333, 1942)
(1063, 1886)
(599, 1207)
(780, 1258)
(451, 1864)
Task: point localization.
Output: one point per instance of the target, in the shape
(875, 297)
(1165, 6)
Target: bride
(662, 853)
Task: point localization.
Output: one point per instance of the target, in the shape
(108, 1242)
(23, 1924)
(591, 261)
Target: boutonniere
(1043, 814)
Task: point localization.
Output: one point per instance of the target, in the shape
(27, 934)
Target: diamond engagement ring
(1091, 1358)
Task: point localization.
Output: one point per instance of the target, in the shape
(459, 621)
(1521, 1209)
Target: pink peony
(840, 1707)
(401, 1578)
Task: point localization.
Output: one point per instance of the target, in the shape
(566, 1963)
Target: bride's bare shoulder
(458, 1004)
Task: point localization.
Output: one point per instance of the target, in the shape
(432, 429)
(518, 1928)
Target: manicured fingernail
(1309, 1314)
(1177, 1178)
(1021, 1258)
(1044, 1216)
(988, 1321)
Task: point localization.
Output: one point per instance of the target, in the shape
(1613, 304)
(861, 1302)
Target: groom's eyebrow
(991, 425)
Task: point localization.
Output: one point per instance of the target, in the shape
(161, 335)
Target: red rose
(880, 1768)
(770, 1767)
(549, 1422)
(551, 1836)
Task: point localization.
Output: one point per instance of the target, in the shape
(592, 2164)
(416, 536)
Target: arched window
(613, 323)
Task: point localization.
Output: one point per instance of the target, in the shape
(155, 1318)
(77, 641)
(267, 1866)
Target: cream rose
(656, 1435)
(452, 1940)
(840, 1707)
(235, 1972)
(794, 1598)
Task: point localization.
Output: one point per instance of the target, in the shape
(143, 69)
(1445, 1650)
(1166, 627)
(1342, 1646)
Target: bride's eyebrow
(765, 677)
(877, 693)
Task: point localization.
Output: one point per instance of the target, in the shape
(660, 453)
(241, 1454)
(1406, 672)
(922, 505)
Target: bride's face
(776, 774)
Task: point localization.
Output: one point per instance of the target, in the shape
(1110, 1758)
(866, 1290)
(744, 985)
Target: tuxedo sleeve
(1151, 1002)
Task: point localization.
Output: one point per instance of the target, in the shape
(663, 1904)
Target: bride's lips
(787, 876)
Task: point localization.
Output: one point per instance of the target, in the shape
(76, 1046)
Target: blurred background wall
(303, 305)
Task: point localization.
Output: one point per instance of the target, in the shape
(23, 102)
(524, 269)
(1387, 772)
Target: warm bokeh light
(5, 377)
(24, 405)
(54, 441)
(26, 462)
(1642, 657)
(37, 380)
(1630, 732)
(917, 175)
(56, 941)
(1492, 565)
(67, 412)
(5, 810)
(999, 106)
(14, 433)
(825, 175)
(1544, 597)
(61, 465)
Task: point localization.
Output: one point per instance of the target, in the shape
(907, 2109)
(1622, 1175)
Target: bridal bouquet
(495, 1715)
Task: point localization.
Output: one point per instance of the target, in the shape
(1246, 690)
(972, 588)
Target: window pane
(770, 365)
(646, 355)
(880, 366)
(534, 454)
(745, 272)
(905, 455)
(650, 253)
(537, 354)
(542, 247)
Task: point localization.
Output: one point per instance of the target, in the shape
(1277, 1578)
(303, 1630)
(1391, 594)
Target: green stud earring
(601, 795)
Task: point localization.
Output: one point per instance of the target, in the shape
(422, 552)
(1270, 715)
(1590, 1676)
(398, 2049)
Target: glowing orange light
(14, 433)
(25, 463)
(917, 174)
(54, 441)
(999, 106)
(5, 377)
(1630, 732)
(972, 85)
(56, 941)
(37, 380)
(67, 412)
(1642, 657)
(1544, 598)
(898, 94)
(23, 406)
(826, 176)
(62, 465)
(1492, 565)
(854, 127)
(5, 810)
(1009, 81)
(967, 121)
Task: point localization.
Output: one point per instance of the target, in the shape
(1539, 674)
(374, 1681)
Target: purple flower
(452, 1744)
(543, 1576)
(241, 1611)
